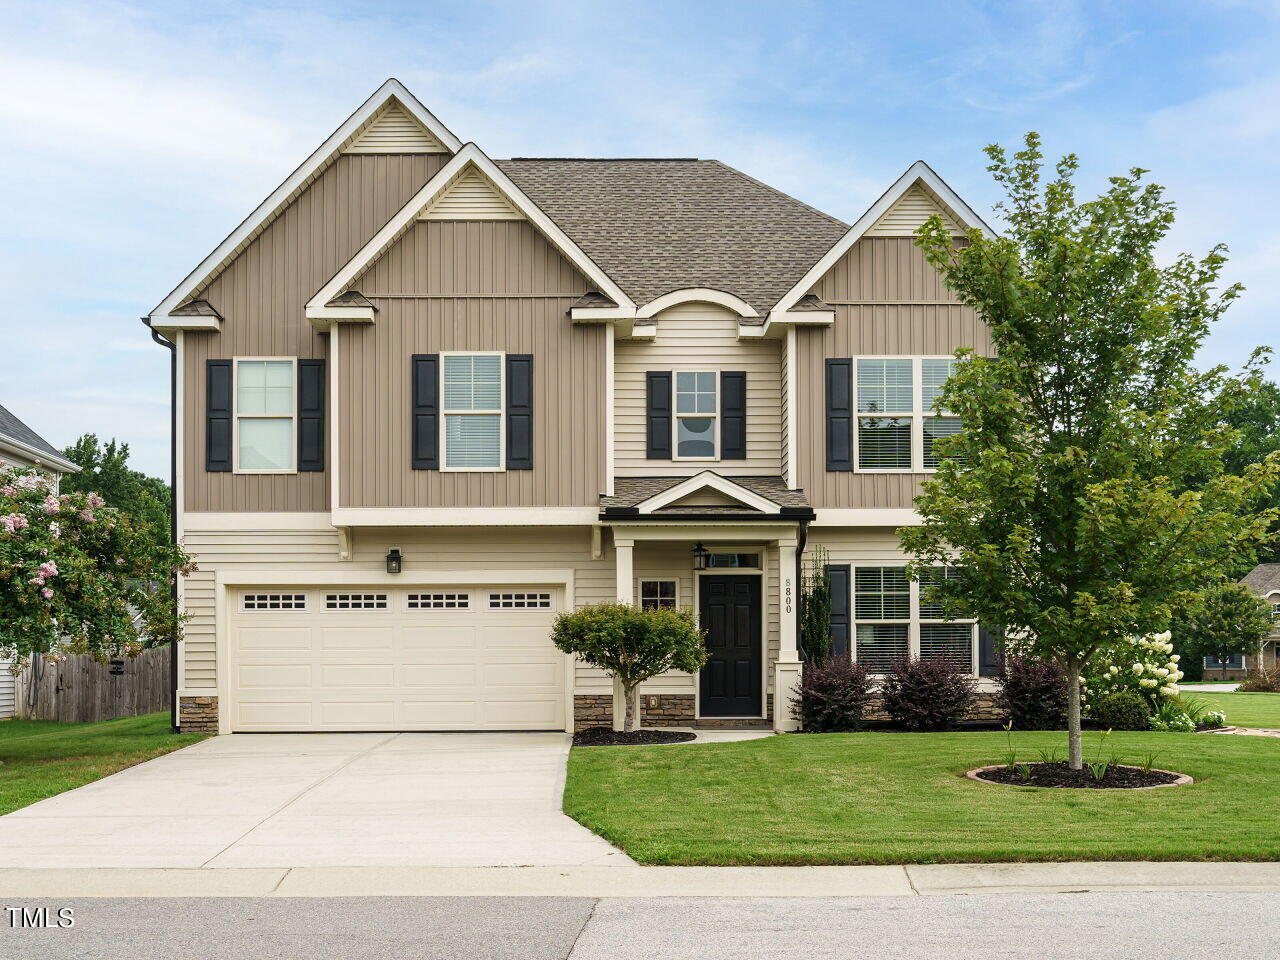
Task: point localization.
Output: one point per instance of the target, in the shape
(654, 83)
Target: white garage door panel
(396, 668)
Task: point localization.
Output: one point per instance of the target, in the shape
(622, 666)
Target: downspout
(173, 511)
(801, 540)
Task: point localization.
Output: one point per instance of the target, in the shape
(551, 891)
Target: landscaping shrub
(1033, 693)
(1122, 710)
(926, 695)
(1261, 681)
(833, 696)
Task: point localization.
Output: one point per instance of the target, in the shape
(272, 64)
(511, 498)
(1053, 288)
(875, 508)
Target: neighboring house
(20, 446)
(1263, 580)
(429, 399)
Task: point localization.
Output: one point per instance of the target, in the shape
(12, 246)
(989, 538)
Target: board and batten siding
(460, 286)
(699, 336)
(888, 301)
(261, 296)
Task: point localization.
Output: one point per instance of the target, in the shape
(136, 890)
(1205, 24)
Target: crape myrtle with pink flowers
(77, 576)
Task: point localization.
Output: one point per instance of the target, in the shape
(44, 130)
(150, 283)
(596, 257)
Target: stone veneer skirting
(198, 714)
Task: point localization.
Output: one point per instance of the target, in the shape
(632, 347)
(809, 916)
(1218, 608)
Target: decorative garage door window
(439, 601)
(355, 601)
(274, 601)
(520, 601)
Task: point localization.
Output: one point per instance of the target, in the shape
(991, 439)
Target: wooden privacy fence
(81, 690)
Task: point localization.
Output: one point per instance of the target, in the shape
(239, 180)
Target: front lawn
(902, 798)
(39, 758)
(1244, 709)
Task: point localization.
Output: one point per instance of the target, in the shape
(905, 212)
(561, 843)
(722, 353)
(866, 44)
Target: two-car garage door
(420, 658)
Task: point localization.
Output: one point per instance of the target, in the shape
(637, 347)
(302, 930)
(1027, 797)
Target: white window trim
(676, 416)
(913, 620)
(641, 581)
(501, 412)
(236, 415)
(917, 416)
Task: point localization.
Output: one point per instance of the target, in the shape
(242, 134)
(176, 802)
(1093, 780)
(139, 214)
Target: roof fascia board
(165, 324)
(322, 155)
(918, 172)
(41, 458)
(408, 214)
(696, 295)
(702, 481)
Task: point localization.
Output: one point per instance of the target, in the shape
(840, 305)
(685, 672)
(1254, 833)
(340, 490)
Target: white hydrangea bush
(1146, 665)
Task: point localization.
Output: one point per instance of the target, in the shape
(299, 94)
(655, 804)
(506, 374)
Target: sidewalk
(629, 881)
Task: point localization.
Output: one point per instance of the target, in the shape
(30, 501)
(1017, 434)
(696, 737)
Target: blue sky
(134, 136)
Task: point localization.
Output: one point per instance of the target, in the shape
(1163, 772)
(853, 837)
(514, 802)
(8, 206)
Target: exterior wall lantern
(700, 554)
(394, 561)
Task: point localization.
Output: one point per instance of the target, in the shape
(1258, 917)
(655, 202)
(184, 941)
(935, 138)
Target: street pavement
(1057, 926)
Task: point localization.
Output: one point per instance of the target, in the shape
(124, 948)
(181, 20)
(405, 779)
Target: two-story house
(428, 399)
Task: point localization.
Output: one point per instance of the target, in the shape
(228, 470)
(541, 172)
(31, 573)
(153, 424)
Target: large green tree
(1227, 619)
(1258, 423)
(1065, 500)
(105, 470)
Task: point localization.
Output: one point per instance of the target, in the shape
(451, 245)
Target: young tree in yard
(1225, 620)
(631, 644)
(77, 576)
(1065, 500)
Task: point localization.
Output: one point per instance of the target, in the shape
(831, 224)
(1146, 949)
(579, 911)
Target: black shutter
(425, 422)
(989, 651)
(733, 415)
(310, 415)
(217, 416)
(658, 415)
(519, 411)
(839, 389)
(841, 635)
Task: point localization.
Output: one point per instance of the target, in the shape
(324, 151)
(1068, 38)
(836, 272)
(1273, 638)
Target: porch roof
(632, 493)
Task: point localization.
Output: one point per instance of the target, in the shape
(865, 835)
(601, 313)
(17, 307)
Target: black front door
(730, 611)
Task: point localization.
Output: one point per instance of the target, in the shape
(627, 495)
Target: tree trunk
(633, 708)
(1075, 751)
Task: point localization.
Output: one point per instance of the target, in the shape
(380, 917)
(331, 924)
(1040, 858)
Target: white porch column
(624, 566)
(786, 670)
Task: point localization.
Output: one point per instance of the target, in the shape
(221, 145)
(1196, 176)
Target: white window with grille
(658, 594)
(355, 601)
(520, 600)
(898, 421)
(439, 601)
(274, 601)
(265, 414)
(474, 396)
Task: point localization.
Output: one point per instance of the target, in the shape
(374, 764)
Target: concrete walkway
(318, 800)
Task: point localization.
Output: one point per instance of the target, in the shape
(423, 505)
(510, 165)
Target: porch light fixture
(700, 554)
(393, 561)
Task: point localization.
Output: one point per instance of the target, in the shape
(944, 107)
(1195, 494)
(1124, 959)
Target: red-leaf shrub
(1033, 694)
(926, 695)
(833, 696)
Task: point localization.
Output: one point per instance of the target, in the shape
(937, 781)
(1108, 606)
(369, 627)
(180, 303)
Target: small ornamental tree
(815, 608)
(631, 644)
(77, 576)
(1227, 619)
(1087, 497)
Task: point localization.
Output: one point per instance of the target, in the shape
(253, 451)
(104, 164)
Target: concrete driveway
(299, 800)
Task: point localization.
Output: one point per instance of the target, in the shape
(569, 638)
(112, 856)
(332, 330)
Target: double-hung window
(697, 407)
(265, 415)
(896, 620)
(898, 422)
(473, 394)
(950, 641)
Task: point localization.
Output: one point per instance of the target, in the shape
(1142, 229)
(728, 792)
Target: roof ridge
(615, 159)
(771, 189)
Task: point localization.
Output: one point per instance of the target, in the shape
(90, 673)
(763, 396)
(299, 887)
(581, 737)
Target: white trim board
(696, 295)
(463, 516)
(708, 480)
(918, 172)
(38, 457)
(267, 211)
(317, 307)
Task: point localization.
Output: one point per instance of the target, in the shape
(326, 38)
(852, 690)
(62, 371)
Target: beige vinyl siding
(486, 285)
(699, 336)
(907, 215)
(394, 130)
(888, 302)
(8, 690)
(471, 196)
(261, 296)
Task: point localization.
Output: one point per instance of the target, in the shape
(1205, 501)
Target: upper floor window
(473, 405)
(898, 422)
(265, 415)
(697, 406)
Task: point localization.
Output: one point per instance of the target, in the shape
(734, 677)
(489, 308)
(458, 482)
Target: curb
(1182, 781)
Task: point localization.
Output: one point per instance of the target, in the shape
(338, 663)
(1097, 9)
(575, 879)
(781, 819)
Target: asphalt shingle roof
(1263, 578)
(632, 491)
(15, 429)
(655, 226)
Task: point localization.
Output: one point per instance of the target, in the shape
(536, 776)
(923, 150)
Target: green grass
(903, 798)
(40, 758)
(1244, 709)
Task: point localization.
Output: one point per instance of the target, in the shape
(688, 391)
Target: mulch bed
(1061, 775)
(606, 737)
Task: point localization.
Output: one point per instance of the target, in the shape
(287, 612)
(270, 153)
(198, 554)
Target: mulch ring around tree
(606, 737)
(1117, 777)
